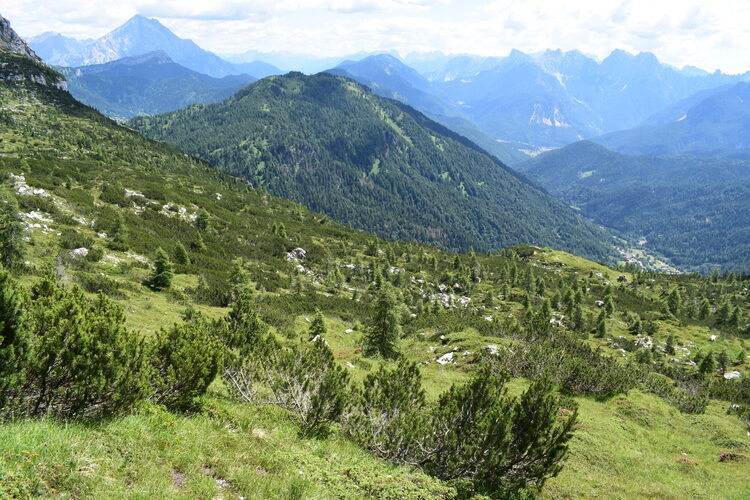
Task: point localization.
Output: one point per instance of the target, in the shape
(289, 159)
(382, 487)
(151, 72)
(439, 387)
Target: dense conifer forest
(327, 142)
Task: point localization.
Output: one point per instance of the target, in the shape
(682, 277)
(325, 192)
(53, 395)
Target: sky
(711, 35)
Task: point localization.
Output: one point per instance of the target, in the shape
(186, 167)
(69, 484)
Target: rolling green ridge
(372, 163)
(625, 349)
(691, 210)
(148, 84)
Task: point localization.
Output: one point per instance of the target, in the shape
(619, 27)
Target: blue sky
(711, 35)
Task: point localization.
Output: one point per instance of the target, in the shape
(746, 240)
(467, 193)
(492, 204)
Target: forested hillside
(148, 84)
(691, 210)
(169, 331)
(330, 144)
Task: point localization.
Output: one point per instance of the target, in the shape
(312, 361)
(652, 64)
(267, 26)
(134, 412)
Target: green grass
(227, 450)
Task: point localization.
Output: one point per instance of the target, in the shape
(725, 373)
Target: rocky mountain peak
(9, 40)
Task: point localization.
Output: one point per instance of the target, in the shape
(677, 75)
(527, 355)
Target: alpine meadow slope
(373, 163)
(161, 318)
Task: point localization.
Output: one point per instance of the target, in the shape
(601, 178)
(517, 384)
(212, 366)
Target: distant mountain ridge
(387, 76)
(555, 97)
(148, 84)
(719, 124)
(141, 35)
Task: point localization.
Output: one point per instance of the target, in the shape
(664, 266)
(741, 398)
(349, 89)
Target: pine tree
(14, 347)
(187, 358)
(384, 330)
(722, 314)
(636, 327)
(202, 221)
(609, 306)
(704, 310)
(674, 302)
(239, 278)
(119, 234)
(180, 255)
(707, 365)
(669, 347)
(722, 360)
(85, 362)
(734, 319)
(577, 318)
(161, 276)
(601, 326)
(12, 246)
(199, 244)
(318, 328)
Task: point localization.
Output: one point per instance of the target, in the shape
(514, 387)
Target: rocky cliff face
(10, 41)
(19, 63)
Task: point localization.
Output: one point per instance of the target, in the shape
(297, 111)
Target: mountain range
(147, 84)
(331, 144)
(715, 122)
(387, 76)
(141, 35)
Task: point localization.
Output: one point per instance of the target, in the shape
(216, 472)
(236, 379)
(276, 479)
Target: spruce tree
(318, 328)
(674, 302)
(119, 234)
(202, 220)
(239, 278)
(12, 246)
(707, 365)
(705, 309)
(14, 347)
(161, 276)
(180, 255)
(384, 331)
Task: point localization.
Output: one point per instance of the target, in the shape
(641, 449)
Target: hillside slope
(329, 143)
(148, 84)
(97, 200)
(389, 77)
(689, 209)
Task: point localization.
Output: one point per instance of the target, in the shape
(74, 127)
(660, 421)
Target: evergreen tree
(734, 319)
(609, 306)
(722, 360)
(239, 278)
(707, 365)
(85, 362)
(384, 330)
(180, 255)
(705, 309)
(674, 302)
(636, 327)
(669, 347)
(202, 220)
(722, 314)
(161, 276)
(119, 234)
(187, 358)
(12, 246)
(14, 347)
(578, 320)
(601, 326)
(199, 244)
(318, 328)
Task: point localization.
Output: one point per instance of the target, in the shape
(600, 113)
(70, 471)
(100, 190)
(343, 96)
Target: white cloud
(710, 35)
